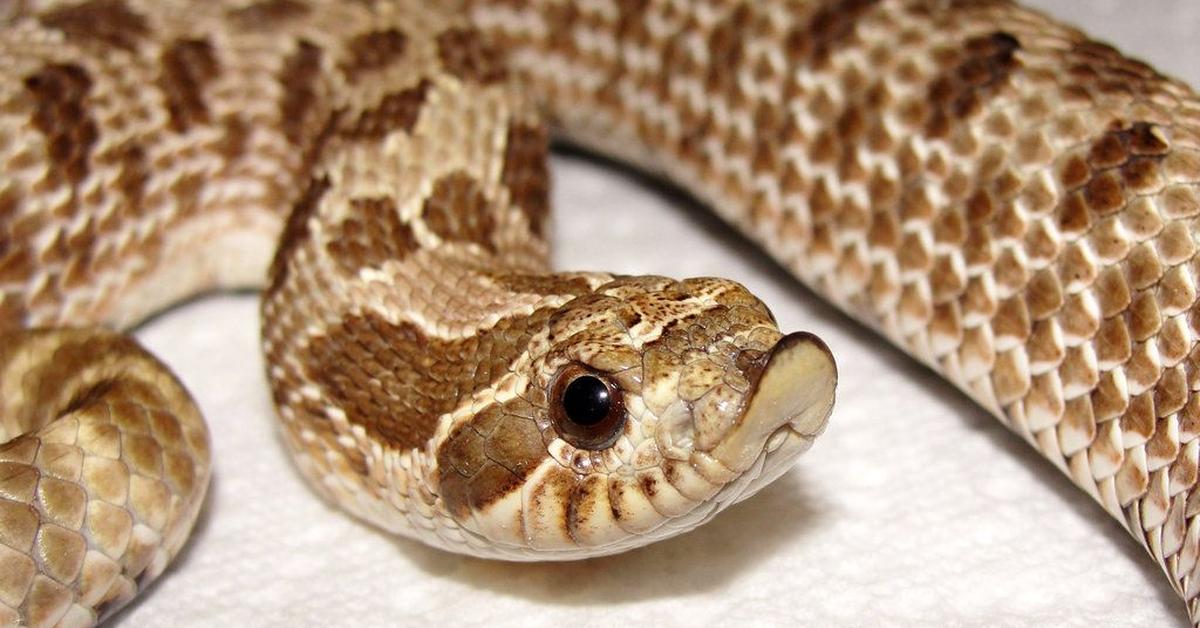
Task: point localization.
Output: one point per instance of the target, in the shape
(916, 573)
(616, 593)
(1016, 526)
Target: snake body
(1006, 200)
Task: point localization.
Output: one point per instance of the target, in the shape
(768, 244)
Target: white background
(915, 508)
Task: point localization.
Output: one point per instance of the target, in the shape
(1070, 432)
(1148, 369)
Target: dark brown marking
(629, 30)
(726, 45)
(581, 504)
(372, 235)
(395, 381)
(649, 485)
(457, 210)
(60, 92)
(1074, 173)
(104, 22)
(17, 264)
(1104, 194)
(373, 51)
(831, 27)
(268, 14)
(544, 285)
(561, 20)
(396, 111)
(465, 54)
(630, 17)
(487, 458)
(187, 66)
(1093, 67)
(300, 78)
(526, 173)
(616, 491)
(295, 231)
(234, 141)
(984, 67)
(12, 306)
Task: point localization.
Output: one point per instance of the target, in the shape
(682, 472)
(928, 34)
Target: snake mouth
(789, 402)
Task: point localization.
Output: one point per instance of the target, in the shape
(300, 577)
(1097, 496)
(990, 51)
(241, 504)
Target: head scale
(645, 406)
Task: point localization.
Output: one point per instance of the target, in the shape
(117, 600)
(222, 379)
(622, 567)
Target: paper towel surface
(914, 509)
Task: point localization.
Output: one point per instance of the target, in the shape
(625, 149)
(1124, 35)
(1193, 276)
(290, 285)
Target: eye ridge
(587, 409)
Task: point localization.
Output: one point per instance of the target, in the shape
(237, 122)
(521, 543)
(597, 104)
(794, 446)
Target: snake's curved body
(1009, 202)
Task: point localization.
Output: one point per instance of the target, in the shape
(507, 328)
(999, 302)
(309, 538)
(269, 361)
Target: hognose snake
(188, 111)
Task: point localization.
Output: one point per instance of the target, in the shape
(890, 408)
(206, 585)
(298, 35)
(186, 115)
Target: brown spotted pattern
(397, 110)
(525, 173)
(61, 114)
(419, 378)
(187, 66)
(414, 329)
(713, 335)
(1002, 198)
(267, 13)
(1006, 200)
(456, 210)
(299, 79)
(490, 457)
(103, 23)
(464, 54)
(374, 51)
(372, 235)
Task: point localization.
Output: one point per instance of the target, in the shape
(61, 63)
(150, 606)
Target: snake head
(645, 407)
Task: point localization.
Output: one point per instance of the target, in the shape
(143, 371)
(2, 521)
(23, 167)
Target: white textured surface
(914, 509)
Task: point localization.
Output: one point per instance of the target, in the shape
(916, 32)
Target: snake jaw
(791, 399)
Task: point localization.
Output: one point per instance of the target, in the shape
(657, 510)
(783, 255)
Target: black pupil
(586, 400)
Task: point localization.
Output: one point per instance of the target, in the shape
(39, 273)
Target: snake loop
(1008, 201)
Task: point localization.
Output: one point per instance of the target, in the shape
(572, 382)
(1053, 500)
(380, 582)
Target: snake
(1003, 198)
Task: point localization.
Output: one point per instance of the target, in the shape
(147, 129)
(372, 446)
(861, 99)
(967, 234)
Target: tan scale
(414, 335)
(1011, 203)
(1006, 200)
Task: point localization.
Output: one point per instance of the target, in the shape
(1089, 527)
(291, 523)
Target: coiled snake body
(1006, 200)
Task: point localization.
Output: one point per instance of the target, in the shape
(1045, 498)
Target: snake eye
(587, 409)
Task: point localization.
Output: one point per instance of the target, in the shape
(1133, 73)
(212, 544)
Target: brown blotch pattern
(372, 235)
(630, 31)
(234, 140)
(526, 173)
(268, 14)
(395, 381)
(483, 460)
(105, 22)
(373, 51)
(398, 111)
(726, 45)
(297, 111)
(985, 66)
(457, 210)
(543, 285)
(830, 27)
(1060, 305)
(61, 114)
(132, 178)
(295, 230)
(465, 55)
(1094, 68)
(187, 66)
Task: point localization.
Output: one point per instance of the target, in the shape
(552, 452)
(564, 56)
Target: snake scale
(1006, 200)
